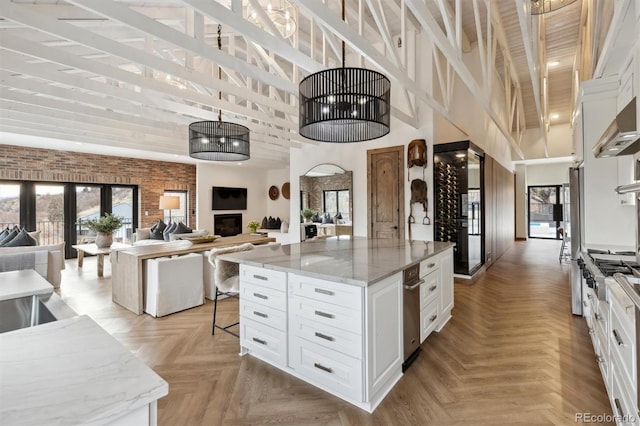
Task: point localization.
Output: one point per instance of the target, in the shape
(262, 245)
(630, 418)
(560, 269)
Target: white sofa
(55, 260)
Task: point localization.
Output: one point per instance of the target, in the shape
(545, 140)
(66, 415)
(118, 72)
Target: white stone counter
(71, 372)
(16, 284)
(356, 261)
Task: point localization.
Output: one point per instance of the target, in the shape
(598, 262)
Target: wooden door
(385, 184)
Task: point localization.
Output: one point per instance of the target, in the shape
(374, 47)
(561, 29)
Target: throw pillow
(21, 239)
(278, 223)
(326, 218)
(182, 229)
(157, 229)
(36, 236)
(265, 223)
(316, 218)
(10, 236)
(339, 215)
(169, 230)
(4, 233)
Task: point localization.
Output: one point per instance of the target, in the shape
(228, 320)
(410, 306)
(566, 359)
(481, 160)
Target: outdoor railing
(52, 232)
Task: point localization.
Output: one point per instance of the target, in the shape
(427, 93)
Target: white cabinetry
(436, 293)
(263, 313)
(624, 386)
(340, 343)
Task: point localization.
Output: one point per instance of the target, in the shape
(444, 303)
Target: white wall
(233, 175)
(559, 142)
(279, 207)
(548, 174)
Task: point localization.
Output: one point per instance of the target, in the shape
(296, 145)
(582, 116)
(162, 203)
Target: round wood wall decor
(285, 190)
(274, 192)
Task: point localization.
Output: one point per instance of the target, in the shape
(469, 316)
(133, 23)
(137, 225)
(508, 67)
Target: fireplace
(227, 225)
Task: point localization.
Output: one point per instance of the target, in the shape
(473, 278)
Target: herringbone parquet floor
(512, 354)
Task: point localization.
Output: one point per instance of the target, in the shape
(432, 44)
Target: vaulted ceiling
(129, 76)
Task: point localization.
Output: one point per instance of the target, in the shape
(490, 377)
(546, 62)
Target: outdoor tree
(55, 210)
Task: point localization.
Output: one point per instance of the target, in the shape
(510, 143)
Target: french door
(546, 211)
(58, 210)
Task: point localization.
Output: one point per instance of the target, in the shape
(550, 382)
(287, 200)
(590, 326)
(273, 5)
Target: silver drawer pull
(430, 265)
(262, 342)
(616, 401)
(324, 336)
(584, 303)
(260, 277)
(590, 330)
(589, 296)
(324, 314)
(433, 288)
(433, 318)
(322, 367)
(260, 314)
(619, 340)
(599, 359)
(413, 287)
(597, 316)
(323, 291)
(261, 296)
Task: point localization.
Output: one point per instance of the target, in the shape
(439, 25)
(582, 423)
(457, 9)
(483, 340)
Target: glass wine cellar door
(458, 169)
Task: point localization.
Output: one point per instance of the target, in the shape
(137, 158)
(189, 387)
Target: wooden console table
(95, 250)
(127, 266)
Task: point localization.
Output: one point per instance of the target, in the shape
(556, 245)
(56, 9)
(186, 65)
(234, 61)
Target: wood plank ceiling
(131, 74)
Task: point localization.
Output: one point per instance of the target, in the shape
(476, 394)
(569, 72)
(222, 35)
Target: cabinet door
(384, 333)
(446, 281)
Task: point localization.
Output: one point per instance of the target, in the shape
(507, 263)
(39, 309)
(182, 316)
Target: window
(9, 204)
(181, 213)
(336, 201)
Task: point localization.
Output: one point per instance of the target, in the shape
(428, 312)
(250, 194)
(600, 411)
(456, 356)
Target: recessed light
(554, 116)
(78, 143)
(553, 63)
(239, 164)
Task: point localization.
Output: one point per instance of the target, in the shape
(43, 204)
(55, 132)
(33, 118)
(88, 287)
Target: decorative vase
(253, 229)
(104, 239)
(307, 220)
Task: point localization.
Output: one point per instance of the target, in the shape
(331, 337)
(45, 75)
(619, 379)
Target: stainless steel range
(596, 265)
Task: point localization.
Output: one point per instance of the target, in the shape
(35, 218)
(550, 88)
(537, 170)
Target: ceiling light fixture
(538, 7)
(344, 105)
(280, 12)
(553, 64)
(218, 140)
(555, 116)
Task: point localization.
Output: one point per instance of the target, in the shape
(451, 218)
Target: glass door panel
(50, 213)
(122, 205)
(87, 207)
(544, 211)
(474, 209)
(9, 205)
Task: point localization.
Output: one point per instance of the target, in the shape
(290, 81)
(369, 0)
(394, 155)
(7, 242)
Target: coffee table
(95, 250)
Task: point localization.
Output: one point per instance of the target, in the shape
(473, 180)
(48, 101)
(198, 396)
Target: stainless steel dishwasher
(411, 314)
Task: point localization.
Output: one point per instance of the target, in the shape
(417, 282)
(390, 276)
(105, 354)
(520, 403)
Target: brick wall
(151, 177)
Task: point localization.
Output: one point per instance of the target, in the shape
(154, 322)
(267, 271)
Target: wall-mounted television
(224, 198)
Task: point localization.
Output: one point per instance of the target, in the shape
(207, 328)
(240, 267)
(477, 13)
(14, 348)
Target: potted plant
(253, 226)
(307, 214)
(104, 227)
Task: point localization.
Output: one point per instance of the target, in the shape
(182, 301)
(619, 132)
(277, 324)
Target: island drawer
(429, 265)
(263, 341)
(428, 319)
(336, 372)
(622, 403)
(330, 337)
(263, 314)
(346, 295)
(623, 344)
(265, 277)
(429, 289)
(263, 296)
(330, 315)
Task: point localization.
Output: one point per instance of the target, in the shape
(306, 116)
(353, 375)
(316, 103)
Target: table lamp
(169, 202)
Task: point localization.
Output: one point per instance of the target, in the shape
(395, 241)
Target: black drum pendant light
(345, 104)
(218, 140)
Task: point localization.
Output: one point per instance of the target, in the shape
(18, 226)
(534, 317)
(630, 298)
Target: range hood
(622, 136)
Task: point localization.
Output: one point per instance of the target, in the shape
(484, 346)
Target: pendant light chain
(220, 71)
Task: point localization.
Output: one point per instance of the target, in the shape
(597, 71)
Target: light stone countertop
(355, 261)
(15, 284)
(71, 372)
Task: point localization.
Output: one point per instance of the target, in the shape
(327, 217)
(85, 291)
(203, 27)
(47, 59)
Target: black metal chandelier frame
(346, 104)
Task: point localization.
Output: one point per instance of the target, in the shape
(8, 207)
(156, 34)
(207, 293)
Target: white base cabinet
(344, 339)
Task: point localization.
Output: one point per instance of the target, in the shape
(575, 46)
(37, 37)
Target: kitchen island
(330, 312)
